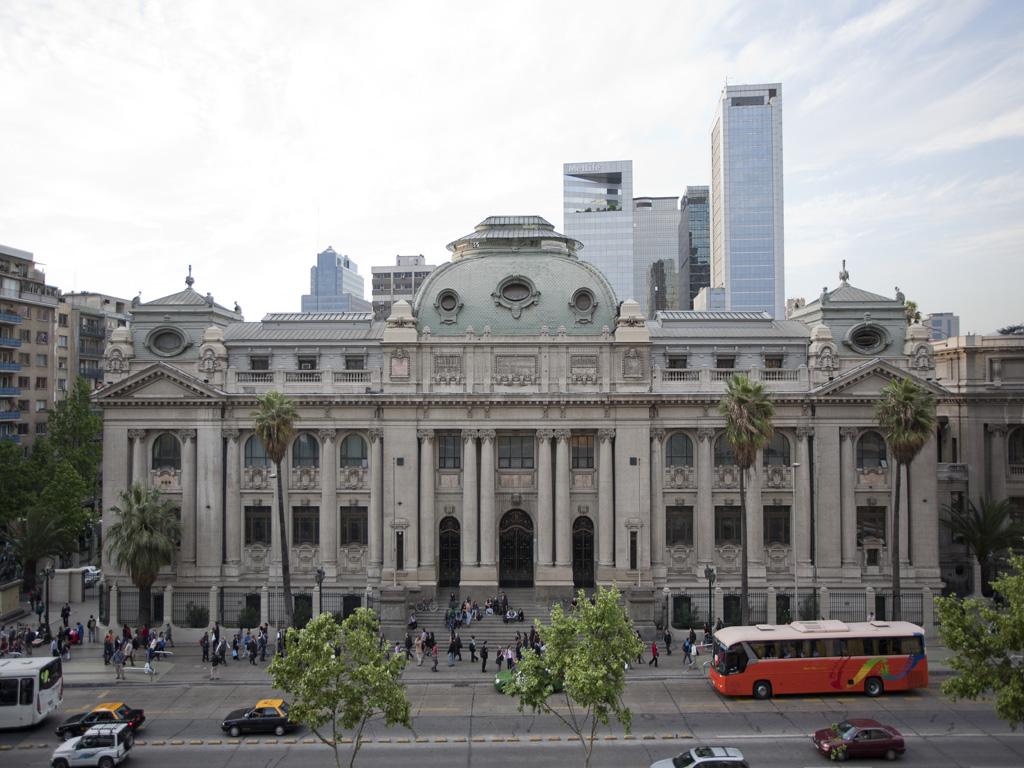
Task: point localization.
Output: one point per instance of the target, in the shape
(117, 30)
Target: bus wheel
(762, 689)
(873, 687)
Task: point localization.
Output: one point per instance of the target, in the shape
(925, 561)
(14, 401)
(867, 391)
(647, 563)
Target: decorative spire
(189, 281)
(844, 276)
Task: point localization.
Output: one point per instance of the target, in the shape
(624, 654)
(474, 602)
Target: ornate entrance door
(450, 565)
(583, 552)
(515, 535)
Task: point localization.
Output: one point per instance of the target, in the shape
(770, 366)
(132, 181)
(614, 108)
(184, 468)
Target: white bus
(30, 689)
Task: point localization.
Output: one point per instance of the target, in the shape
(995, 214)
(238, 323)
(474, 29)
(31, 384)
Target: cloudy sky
(243, 137)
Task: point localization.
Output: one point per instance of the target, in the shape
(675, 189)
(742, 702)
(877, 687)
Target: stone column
(802, 499)
(188, 495)
(329, 514)
(848, 497)
(755, 513)
(997, 448)
(429, 532)
(545, 514)
(605, 499)
(375, 525)
(487, 536)
(140, 468)
(563, 517)
(705, 504)
(657, 498)
(233, 499)
(209, 474)
(470, 556)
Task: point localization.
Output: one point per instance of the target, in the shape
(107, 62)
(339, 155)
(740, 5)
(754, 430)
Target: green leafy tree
(988, 529)
(275, 427)
(748, 427)
(986, 641)
(75, 430)
(906, 416)
(16, 492)
(142, 539)
(587, 649)
(339, 677)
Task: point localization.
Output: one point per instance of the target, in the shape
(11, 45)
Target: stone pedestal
(640, 603)
(392, 609)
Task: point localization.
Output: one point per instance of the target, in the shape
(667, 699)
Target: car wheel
(234, 732)
(106, 762)
(873, 686)
(60, 763)
(890, 754)
(762, 689)
(279, 731)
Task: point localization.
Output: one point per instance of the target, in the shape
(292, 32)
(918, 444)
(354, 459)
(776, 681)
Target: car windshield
(283, 708)
(683, 760)
(123, 710)
(846, 730)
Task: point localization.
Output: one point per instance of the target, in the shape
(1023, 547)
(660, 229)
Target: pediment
(868, 379)
(159, 382)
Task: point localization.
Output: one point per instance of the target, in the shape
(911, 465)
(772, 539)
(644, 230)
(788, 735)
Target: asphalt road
(470, 724)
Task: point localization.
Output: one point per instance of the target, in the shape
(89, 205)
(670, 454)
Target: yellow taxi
(107, 713)
(268, 716)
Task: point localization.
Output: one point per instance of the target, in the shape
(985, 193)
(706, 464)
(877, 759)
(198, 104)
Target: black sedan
(268, 716)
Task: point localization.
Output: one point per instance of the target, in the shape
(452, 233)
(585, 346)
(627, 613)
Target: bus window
(8, 693)
(758, 649)
(49, 675)
(854, 646)
(883, 646)
(27, 691)
(869, 646)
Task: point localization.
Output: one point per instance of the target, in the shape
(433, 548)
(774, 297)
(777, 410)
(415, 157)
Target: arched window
(353, 451)
(724, 456)
(1015, 449)
(166, 452)
(305, 451)
(776, 453)
(255, 453)
(871, 453)
(679, 451)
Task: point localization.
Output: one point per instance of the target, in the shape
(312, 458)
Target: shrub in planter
(248, 617)
(196, 616)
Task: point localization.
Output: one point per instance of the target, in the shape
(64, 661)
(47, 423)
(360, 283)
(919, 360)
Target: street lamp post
(47, 575)
(709, 574)
(667, 592)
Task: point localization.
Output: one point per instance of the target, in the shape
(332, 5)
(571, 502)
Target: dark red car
(859, 738)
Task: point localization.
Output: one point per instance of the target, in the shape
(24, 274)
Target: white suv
(102, 745)
(705, 757)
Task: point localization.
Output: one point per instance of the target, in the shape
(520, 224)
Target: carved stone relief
(515, 370)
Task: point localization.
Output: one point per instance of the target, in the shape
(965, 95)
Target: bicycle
(424, 606)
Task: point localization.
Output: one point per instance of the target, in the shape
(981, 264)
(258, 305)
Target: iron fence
(911, 605)
(240, 606)
(191, 608)
(339, 602)
(276, 613)
(690, 610)
(848, 605)
(128, 606)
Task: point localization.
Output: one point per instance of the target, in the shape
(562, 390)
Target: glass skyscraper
(656, 239)
(746, 199)
(598, 207)
(694, 245)
(335, 285)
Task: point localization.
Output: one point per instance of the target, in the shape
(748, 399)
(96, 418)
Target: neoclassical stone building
(518, 426)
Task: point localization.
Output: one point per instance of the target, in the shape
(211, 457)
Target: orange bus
(819, 657)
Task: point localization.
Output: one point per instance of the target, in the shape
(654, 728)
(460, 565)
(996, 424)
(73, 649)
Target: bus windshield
(50, 675)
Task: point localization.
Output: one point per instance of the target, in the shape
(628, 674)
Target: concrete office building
(598, 209)
(694, 245)
(397, 283)
(747, 247)
(335, 285)
(89, 320)
(942, 325)
(655, 239)
(518, 426)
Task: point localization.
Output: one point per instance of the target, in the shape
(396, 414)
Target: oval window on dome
(515, 291)
(166, 342)
(584, 301)
(867, 338)
(448, 302)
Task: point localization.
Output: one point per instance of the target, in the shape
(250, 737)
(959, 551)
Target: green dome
(515, 275)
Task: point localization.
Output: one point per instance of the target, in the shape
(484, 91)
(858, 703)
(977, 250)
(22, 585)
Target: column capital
(327, 435)
(470, 434)
(803, 432)
(545, 434)
(563, 434)
(187, 434)
(705, 434)
(486, 434)
(848, 433)
(997, 429)
(425, 434)
(375, 433)
(605, 435)
(231, 433)
(137, 434)
(658, 434)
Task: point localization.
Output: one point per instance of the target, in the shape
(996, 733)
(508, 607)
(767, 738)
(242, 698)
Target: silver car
(705, 757)
(102, 745)
(91, 575)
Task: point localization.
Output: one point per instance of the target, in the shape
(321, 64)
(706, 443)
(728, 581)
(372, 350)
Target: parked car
(92, 575)
(859, 738)
(709, 757)
(108, 713)
(102, 745)
(268, 716)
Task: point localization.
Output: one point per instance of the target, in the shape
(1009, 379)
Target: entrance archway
(449, 566)
(583, 552)
(515, 550)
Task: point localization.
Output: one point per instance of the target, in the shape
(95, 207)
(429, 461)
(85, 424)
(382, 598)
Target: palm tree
(143, 538)
(748, 428)
(275, 426)
(906, 415)
(987, 530)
